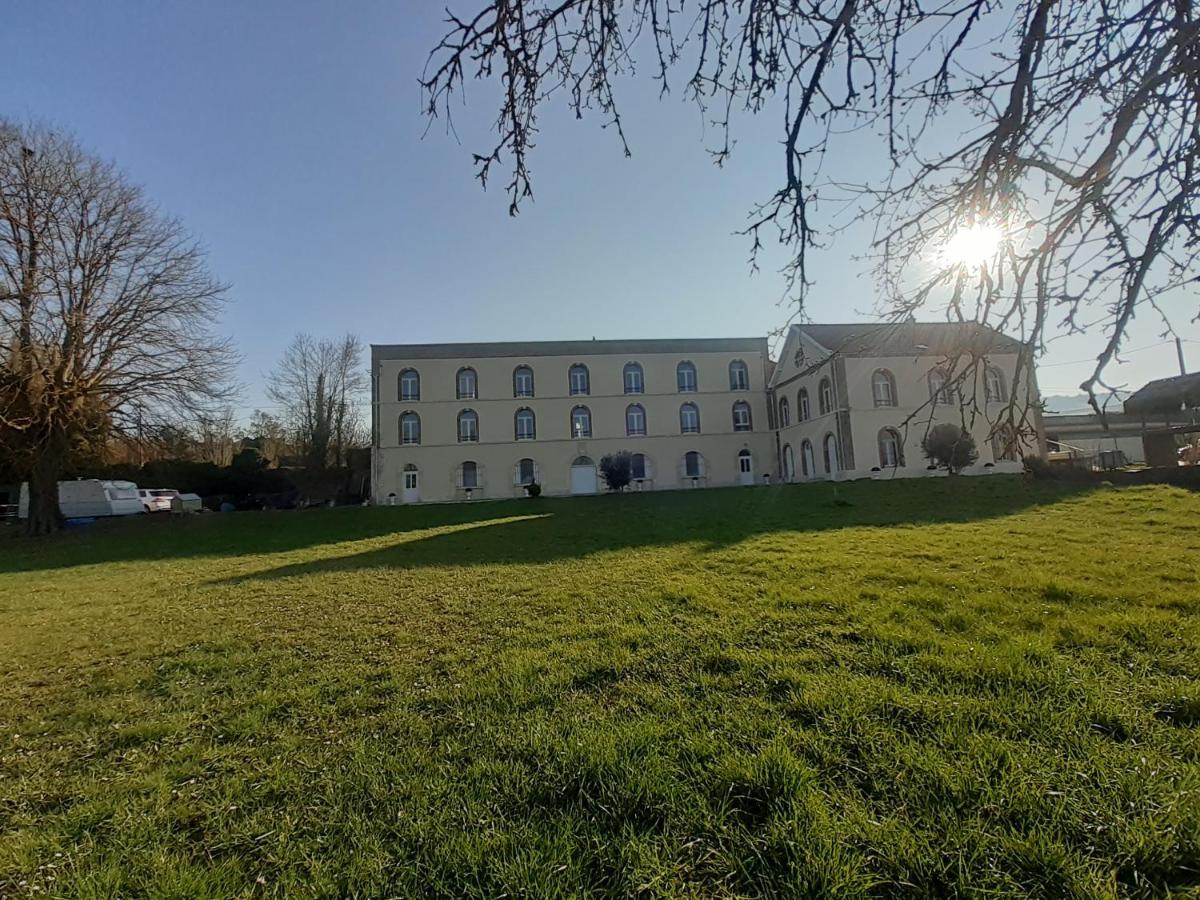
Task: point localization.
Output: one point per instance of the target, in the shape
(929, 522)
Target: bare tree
(1041, 168)
(216, 435)
(320, 384)
(270, 435)
(106, 312)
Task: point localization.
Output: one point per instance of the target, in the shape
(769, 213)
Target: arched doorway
(745, 467)
(789, 463)
(583, 475)
(410, 485)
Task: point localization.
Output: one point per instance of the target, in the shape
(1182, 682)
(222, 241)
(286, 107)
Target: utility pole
(1179, 353)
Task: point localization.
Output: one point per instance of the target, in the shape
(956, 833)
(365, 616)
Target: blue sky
(288, 136)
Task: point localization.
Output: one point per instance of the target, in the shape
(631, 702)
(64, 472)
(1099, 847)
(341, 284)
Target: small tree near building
(617, 470)
(949, 447)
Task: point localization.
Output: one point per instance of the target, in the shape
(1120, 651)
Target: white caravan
(87, 497)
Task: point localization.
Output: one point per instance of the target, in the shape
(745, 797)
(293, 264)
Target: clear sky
(288, 136)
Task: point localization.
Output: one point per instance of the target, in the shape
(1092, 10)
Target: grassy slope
(920, 687)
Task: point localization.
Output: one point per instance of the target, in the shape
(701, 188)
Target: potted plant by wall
(533, 489)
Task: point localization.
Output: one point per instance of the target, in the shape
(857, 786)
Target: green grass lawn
(941, 687)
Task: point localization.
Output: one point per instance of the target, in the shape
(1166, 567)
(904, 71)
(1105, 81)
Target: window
(522, 381)
(693, 464)
(465, 384)
(525, 424)
(579, 381)
(526, 471)
(685, 377)
(581, 422)
(785, 413)
(802, 410)
(410, 385)
(883, 388)
(789, 463)
(993, 385)
(633, 378)
(939, 390)
(825, 396)
(741, 416)
(468, 475)
(831, 454)
(689, 419)
(635, 419)
(808, 465)
(638, 467)
(891, 448)
(739, 376)
(410, 428)
(468, 426)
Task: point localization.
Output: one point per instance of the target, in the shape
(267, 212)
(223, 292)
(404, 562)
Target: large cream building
(472, 421)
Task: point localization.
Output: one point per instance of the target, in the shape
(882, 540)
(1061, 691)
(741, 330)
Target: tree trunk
(44, 515)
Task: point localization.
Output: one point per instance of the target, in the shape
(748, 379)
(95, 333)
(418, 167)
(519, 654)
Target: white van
(87, 497)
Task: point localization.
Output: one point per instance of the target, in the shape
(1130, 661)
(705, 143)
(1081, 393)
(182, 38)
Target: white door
(583, 479)
(745, 467)
(412, 492)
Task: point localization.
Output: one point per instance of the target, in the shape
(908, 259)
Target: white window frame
(694, 409)
(586, 380)
(745, 422)
(576, 433)
(468, 415)
(522, 373)
(689, 367)
(635, 411)
(413, 417)
(525, 413)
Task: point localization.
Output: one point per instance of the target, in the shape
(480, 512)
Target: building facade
(473, 421)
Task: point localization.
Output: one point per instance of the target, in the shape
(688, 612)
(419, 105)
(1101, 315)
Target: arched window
(883, 388)
(689, 419)
(466, 384)
(410, 428)
(526, 426)
(940, 391)
(639, 467)
(825, 396)
(581, 422)
(468, 426)
(1005, 446)
(891, 448)
(578, 380)
(685, 377)
(410, 385)
(468, 475)
(808, 465)
(789, 463)
(785, 413)
(741, 416)
(739, 376)
(635, 419)
(803, 413)
(526, 471)
(693, 465)
(830, 449)
(633, 378)
(993, 385)
(522, 381)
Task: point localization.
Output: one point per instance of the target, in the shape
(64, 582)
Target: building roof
(567, 348)
(1165, 396)
(910, 338)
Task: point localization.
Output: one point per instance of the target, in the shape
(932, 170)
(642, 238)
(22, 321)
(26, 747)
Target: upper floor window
(522, 381)
(741, 416)
(633, 378)
(993, 385)
(685, 377)
(525, 424)
(410, 385)
(891, 448)
(803, 413)
(825, 395)
(689, 418)
(785, 413)
(940, 389)
(410, 428)
(578, 380)
(468, 426)
(466, 384)
(883, 388)
(581, 422)
(739, 376)
(635, 419)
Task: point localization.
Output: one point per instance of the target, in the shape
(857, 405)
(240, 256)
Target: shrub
(617, 469)
(533, 489)
(950, 447)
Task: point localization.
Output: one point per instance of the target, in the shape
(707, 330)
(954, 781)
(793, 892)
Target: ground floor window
(891, 448)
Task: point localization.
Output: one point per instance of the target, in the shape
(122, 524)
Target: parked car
(157, 499)
(87, 497)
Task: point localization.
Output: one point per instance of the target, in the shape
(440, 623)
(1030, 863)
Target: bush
(617, 470)
(533, 489)
(949, 447)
